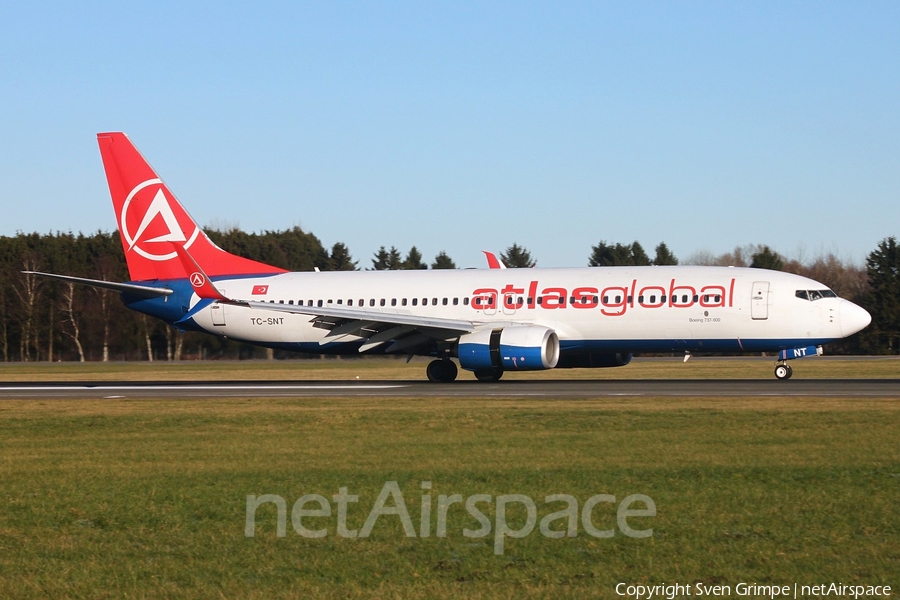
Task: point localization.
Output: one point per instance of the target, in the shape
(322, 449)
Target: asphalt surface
(559, 389)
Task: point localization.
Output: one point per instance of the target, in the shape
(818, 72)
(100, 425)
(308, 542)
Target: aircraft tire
(441, 371)
(783, 372)
(489, 375)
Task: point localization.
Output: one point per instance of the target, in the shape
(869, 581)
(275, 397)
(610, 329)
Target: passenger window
(319, 303)
(371, 301)
(434, 301)
(403, 302)
(393, 302)
(466, 301)
(340, 301)
(456, 302)
(415, 301)
(684, 299)
(444, 302)
(382, 302)
(290, 301)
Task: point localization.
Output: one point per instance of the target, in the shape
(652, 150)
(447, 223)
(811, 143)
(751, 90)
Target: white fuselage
(612, 308)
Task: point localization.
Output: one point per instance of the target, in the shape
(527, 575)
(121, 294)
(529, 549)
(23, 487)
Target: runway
(551, 389)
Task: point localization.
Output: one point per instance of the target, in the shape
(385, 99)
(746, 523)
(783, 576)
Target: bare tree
(69, 307)
(147, 338)
(27, 292)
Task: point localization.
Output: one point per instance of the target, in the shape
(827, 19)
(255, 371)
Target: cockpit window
(813, 295)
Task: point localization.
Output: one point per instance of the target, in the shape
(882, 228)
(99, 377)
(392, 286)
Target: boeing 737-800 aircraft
(489, 320)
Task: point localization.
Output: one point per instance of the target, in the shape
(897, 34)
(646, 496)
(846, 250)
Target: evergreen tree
(883, 302)
(767, 259)
(517, 257)
(387, 260)
(638, 256)
(664, 256)
(381, 260)
(442, 261)
(414, 260)
(607, 255)
(340, 259)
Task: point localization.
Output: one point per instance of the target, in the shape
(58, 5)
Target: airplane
(489, 320)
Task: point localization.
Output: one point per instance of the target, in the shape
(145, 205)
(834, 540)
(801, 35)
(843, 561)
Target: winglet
(199, 280)
(493, 261)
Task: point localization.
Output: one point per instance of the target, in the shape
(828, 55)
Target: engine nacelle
(595, 360)
(518, 348)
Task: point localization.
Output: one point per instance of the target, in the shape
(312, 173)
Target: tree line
(46, 320)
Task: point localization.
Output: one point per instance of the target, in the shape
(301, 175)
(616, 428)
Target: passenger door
(759, 300)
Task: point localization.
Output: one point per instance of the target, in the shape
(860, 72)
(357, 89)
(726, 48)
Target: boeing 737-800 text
(489, 320)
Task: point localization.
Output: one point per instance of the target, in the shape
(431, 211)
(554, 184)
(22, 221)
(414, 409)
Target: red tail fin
(151, 219)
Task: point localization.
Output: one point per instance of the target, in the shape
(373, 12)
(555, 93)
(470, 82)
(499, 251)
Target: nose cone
(853, 318)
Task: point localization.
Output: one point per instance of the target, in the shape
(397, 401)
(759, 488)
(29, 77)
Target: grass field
(147, 498)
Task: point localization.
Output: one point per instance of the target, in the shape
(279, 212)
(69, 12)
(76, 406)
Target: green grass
(146, 498)
(380, 368)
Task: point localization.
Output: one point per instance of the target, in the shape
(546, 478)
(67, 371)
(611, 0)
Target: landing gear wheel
(489, 375)
(783, 371)
(441, 371)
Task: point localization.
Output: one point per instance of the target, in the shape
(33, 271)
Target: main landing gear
(783, 371)
(489, 375)
(442, 370)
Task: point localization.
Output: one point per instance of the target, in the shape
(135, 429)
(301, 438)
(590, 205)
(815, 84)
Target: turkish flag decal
(260, 290)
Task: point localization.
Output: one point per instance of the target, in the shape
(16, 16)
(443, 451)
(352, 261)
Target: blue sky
(467, 126)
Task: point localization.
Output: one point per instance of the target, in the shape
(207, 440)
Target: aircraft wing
(405, 330)
(457, 327)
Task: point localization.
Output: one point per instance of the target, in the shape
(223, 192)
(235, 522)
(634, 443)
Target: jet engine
(517, 348)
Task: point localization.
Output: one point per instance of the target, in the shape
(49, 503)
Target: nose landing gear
(783, 371)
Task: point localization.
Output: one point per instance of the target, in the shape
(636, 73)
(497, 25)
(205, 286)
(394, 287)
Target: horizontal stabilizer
(144, 291)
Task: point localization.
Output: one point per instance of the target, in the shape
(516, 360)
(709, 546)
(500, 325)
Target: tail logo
(197, 280)
(157, 220)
